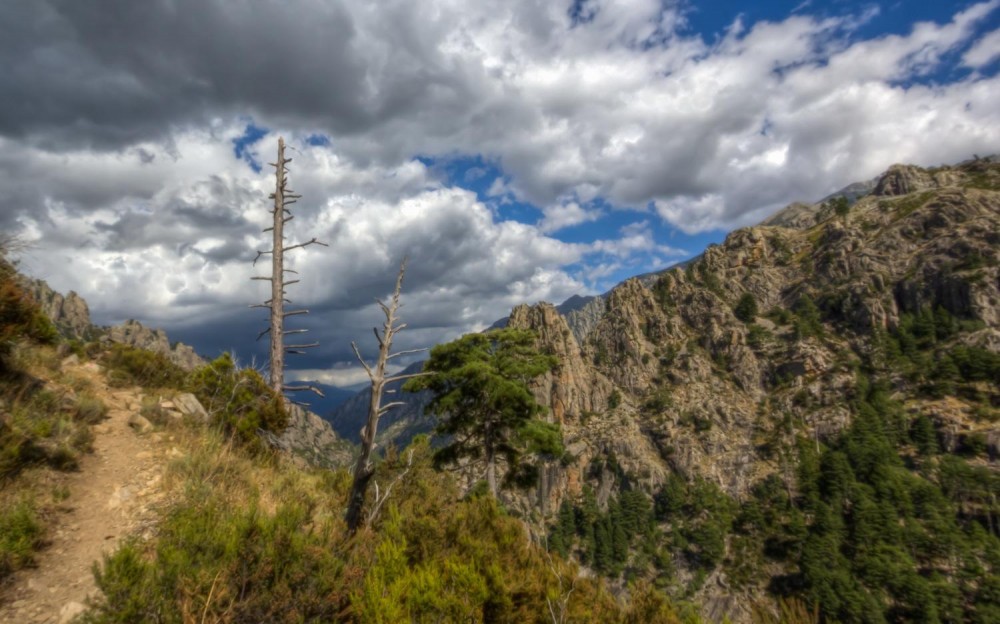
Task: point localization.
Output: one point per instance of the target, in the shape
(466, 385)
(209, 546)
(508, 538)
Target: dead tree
(283, 197)
(363, 470)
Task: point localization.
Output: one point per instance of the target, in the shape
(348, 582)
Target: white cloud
(984, 51)
(636, 238)
(180, 256)
(564, 215)
(116, 152)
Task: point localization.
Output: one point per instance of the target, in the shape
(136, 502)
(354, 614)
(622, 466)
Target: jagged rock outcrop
(574, 387)
(582, 314)
(71, 316)
(69, 313)
(135, 334)
(595, 422)
(906, 179)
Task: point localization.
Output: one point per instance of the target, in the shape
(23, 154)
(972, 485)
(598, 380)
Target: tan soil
(113, 495)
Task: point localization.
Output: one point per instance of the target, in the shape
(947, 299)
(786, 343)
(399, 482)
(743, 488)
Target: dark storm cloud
(115, 72)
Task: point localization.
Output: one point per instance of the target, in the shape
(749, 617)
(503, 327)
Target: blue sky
(709, 21)
(516, 151)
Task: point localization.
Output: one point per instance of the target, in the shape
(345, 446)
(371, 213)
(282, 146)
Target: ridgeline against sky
(514, 151)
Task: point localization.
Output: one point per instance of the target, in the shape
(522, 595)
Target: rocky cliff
(69, 313)
(713, 393)
(715, 372)
(135, 334)
(313, 440)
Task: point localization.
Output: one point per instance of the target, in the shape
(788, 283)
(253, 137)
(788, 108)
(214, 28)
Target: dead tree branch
(364, 470)
(380, 498)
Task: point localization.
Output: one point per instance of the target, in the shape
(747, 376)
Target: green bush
(746, 308)
(42, 431)
(90, 409)
(615, 399)
(758, 336)
(245, 564)
(264, 545)
(841, 205)
(807, 318)
(239, 400)
(20, 534)
(20, 316)
(128, 366)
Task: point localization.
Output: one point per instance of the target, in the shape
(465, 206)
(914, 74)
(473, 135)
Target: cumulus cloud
(118, 123)
(567, 214)
(984, 52)
(180, 256)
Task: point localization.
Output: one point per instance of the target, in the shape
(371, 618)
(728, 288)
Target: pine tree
(481, 396)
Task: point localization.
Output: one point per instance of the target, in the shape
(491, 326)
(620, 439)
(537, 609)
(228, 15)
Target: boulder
(189, 405)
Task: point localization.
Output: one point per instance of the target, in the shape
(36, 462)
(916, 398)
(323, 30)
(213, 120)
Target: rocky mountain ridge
(71, 316)
(716, 371)
(702, 393)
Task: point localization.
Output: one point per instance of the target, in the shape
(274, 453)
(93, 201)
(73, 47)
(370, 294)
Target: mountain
(853, 337)
(725, 419)
(399, 425)
(333, 397)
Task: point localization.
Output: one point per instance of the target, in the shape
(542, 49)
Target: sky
(515, 151)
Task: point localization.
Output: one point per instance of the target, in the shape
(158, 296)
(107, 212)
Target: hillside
(806, 415)
(709, 394)
(871, 327)
(134, 491)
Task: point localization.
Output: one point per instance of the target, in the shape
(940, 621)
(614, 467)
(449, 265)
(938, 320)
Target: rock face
(574, 388)
(69, 313)
(666, 379)
(311, 438)
(582, 314)
(71, 316)
(135, 334)
(659, 376)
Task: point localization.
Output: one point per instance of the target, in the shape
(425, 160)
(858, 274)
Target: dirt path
(112, 495)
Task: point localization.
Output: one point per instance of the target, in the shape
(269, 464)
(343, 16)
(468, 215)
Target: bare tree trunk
(363, 469)
(278, 274)
(283, 197)
(491, 471)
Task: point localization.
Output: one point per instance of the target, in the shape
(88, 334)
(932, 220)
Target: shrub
(261, 545)
(20, 316)
(746, 308)
(239, 400)
(20, 534)
(841, 205)
(807, 318)
(90, 409)
(128, 366)
(758, 336)
(40, 431)
(615, 399)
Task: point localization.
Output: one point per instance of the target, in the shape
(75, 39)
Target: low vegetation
(254, 539)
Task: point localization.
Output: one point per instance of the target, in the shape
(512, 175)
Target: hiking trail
(113, 495)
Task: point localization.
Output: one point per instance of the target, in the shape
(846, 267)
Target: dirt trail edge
(113, 495)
